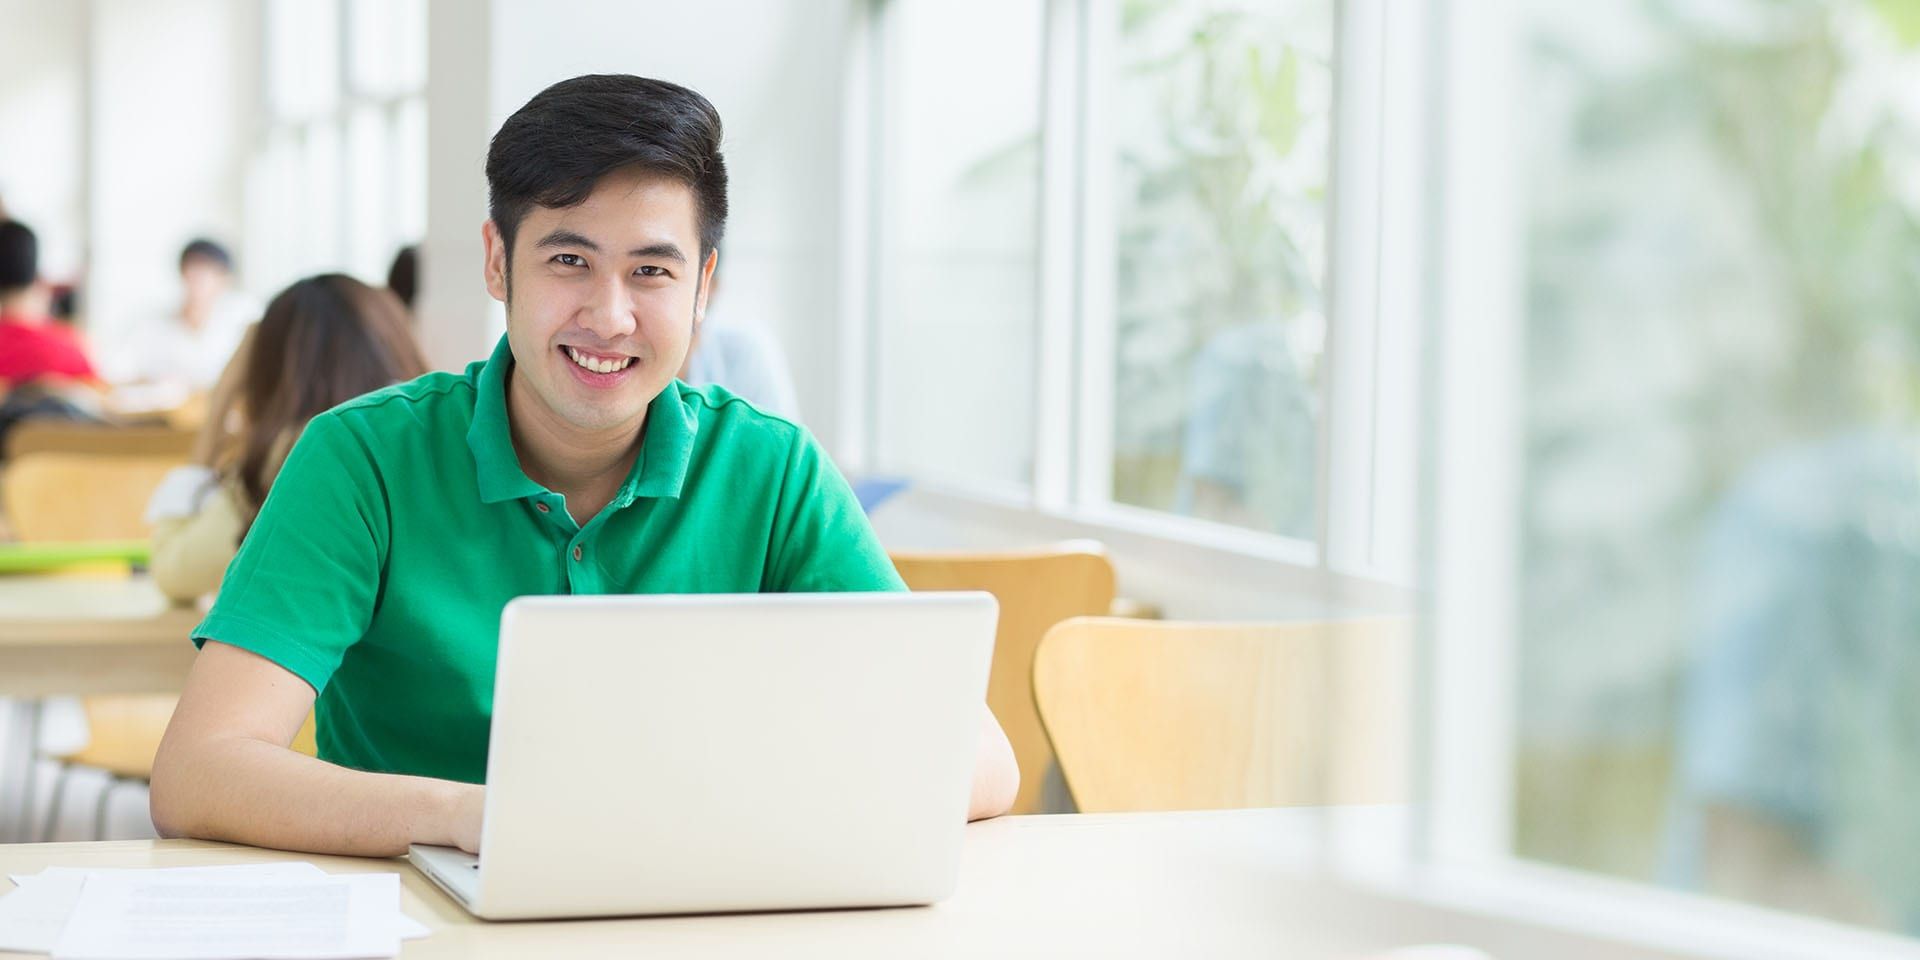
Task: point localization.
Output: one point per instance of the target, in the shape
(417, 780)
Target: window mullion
(1093, 426)
(1054, 327)
(1345, 444)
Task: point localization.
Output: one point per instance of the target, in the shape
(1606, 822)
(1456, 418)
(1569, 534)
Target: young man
(569, 462)
(190, 345)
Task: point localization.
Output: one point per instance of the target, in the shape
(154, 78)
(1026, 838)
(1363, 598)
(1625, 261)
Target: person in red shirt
(32, 346)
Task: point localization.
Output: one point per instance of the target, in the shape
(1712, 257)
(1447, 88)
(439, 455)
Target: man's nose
(611, 314)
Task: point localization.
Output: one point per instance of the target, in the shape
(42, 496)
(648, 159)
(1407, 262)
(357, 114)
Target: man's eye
(652, 271)
(569, 260)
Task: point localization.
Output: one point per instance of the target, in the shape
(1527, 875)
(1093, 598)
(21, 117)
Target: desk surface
(1220, 884)
(91, 635)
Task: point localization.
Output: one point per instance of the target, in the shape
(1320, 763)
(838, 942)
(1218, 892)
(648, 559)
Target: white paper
(236, 871)
(32, 917)
(142, 917)
(33, 922)
(407, 928)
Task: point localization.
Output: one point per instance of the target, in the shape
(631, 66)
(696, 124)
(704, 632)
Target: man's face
(203, 279)
(603, 301)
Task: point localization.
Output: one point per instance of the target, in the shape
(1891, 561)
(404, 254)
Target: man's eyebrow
(665, 250)
(659, 251)
(567, 238)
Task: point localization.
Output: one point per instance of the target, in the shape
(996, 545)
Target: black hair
(203, 249)
(553, 150)
(19, 256)
(403, 277)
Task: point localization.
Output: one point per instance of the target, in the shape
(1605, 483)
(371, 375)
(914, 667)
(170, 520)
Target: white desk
(1229, 884)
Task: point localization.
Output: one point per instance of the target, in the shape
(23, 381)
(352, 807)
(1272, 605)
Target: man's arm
(225, 772)
(996, 775)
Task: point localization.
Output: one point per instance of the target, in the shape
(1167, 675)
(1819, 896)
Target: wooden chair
(123, 738)
(1036, 589)
(1149, 715)
(79, 496)
(59, 436)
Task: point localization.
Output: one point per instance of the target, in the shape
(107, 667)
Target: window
(1221, 157)
(957, 240)
(338, 181)
(1674, 269)
(1100, 258)
(1718, 579)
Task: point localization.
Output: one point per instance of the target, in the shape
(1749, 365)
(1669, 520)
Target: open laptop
(717, 753)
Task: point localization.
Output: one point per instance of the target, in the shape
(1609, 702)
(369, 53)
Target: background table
(82, 635)
(79, 636)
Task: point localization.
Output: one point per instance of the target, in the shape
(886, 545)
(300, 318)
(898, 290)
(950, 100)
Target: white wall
(173, 96)
(773, 69)
(41, 136)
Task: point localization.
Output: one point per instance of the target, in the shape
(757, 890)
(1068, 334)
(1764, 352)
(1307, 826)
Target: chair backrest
(73, 496)
(123, 734)
(61, 436)
(1155, 715)
(1036, 589)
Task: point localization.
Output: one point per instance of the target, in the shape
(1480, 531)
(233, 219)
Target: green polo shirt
(402, 523)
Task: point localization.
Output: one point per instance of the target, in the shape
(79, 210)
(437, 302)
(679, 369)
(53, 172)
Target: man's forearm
(258, 793)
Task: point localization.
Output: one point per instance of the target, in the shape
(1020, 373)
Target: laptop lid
(677, 754)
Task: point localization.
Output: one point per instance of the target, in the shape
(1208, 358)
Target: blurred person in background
(45, 371)
(403, 277)
(743, 358)
(32, 346)
(1250, 424)
(187, 348)
(323, 341)
(1795, 775)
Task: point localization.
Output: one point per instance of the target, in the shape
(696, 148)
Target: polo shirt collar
(666, 448)
(666, 443)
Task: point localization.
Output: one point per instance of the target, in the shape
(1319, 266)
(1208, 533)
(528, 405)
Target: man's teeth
(598, 366)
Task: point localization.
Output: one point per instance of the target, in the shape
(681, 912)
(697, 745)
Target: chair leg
(100, 810)
(21, 828)
(53, 805)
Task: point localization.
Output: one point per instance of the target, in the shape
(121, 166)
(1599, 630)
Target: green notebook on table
(48, 557)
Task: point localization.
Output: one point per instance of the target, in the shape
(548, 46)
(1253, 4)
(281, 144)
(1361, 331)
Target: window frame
(1421, 443)
(282, 260)
(1473, 442)
(1074, 332)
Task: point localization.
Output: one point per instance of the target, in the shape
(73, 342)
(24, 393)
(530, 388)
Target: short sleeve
(191, 551)
(822, 541)
(303, 586)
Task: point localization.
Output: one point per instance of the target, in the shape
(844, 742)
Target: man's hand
(225, 771)
(469, 805)
(996, 774)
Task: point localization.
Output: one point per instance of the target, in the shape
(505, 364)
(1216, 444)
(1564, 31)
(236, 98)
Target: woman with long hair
(323, 341)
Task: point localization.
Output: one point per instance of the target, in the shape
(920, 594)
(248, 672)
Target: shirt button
(540, 507)
(576, 551)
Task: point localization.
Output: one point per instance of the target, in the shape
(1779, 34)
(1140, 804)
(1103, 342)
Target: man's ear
(495, 265)
(706, 286)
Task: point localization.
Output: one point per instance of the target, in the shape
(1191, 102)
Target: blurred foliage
(1221, 113)
(1724, 270)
